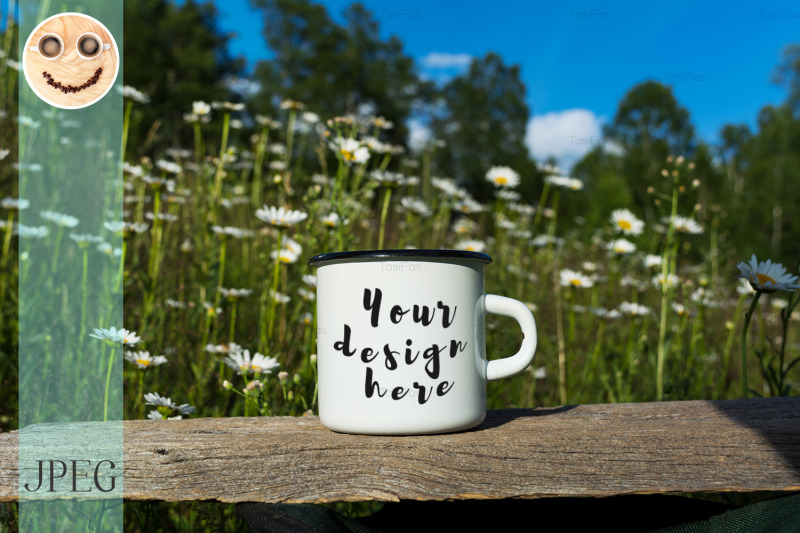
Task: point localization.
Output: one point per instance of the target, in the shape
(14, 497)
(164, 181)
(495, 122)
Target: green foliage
(176, 55)
(482, 122)
(335, 69)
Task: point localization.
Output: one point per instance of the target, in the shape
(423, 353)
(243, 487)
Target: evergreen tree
(483, 119)
(176, 55)
(335, 69)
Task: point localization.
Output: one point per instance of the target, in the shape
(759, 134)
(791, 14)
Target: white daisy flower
(332, 220)
(621, 246)
(470, 245)
(244, 364)
(280, 298)
(503, 177)
(223, 348)
(306, 294)
(230, 231)
(135, 95)
(606, 314)
(144, 360)
(280, 217)
(285, 256)
(633, 309)
(464, 225)
(134, 170)
(626, 222)
(166, 217)
(200, 108)
(350, 150)
(509, 196)
(227, 106)
(116, 226)
(60, 219)
(571, 278)
(267, 122)
(132, 228)
(469, 206)
(685, 225)
(390, 179)
(85, 239)
(114, 335)
(17, 204)
(168, 166)
(292, 104)
(660, 281)
(158, 183)
(449, 187)
(767, 276)
(261, 364)
(565, 182)
(234, 294)
(36, 232)
(311, 118)
(681, 309)
(652, 261)
(382, 123)
(745, 288)
(416, 205)
(166, 406)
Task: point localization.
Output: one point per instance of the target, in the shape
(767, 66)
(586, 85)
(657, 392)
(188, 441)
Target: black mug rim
(399, 254)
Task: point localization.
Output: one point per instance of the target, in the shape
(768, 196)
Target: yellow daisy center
(500, 180)
(143, 362)
(257, 369)
(763, 279)
(284, 259)
(624, 224)
(575, 282)
(348, 155)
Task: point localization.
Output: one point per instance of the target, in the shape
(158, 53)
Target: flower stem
(108, 383)
(747, 318)
(126, 122)
(275, 276)
(384, 212)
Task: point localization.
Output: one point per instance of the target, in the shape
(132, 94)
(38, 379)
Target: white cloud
(444, 60)
(243, 86)
(566, 135)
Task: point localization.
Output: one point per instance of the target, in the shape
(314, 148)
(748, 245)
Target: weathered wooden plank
(584, 450)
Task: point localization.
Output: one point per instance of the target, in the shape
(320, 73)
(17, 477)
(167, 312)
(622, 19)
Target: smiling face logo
(70, 60)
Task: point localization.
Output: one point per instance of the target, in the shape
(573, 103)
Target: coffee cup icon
(71, 60)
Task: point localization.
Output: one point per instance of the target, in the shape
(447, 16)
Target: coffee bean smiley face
(70, 60)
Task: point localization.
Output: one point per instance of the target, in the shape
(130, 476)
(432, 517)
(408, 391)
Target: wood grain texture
(70, 68)
(584, 450)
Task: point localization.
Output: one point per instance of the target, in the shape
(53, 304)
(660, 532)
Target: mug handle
(510, 366)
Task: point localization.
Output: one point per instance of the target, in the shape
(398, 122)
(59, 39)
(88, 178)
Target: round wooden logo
(70, 60)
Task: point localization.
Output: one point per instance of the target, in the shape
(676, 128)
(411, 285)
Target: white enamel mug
(400, 340)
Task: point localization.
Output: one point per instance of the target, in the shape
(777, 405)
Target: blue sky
(578, 58)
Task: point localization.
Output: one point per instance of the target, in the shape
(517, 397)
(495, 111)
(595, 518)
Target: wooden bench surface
(577, 450)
